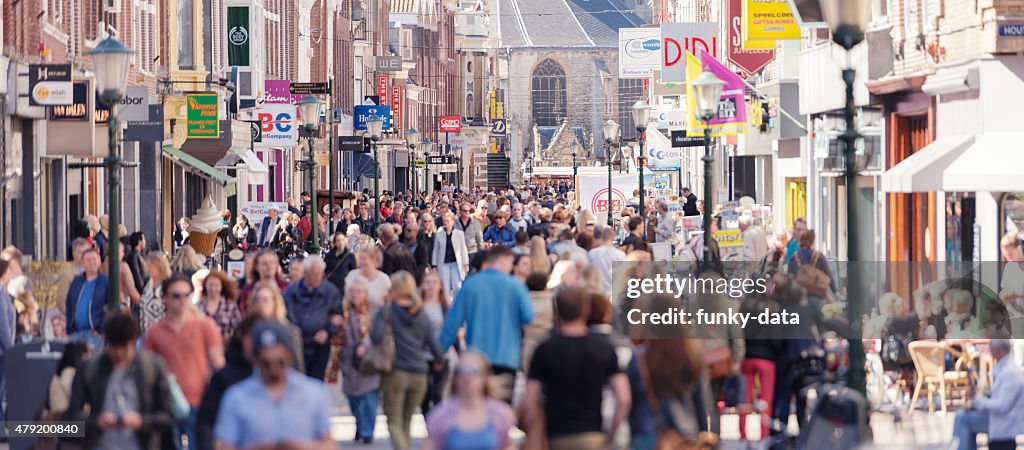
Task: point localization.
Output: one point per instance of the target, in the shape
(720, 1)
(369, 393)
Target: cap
(268, 333)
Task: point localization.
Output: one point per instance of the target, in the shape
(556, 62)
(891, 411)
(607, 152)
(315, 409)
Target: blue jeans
(187, 428)
(451, 278)
(364, 408)
(966, 427)
(94, 340)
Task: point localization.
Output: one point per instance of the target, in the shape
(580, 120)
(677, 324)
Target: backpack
(815, 281)
(150, 374)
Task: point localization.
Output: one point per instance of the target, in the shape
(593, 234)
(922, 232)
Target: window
(548, 93)
(629, 92)
(186, 47)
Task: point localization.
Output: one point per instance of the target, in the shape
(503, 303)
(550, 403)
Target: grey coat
(354, 382)
(474, 234)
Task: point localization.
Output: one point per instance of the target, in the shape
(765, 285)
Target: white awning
(992, 164)
(922, 170)
(253, 163)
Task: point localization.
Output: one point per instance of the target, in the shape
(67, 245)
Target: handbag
(811, 278)
(380, 357)
(179, 404)
(669, 438)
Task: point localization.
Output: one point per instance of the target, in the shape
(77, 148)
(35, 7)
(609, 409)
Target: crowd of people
(439, 307)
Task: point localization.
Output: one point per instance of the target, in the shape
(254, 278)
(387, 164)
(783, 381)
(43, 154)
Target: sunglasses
(468, 370)
(178, 295)
(273, 363)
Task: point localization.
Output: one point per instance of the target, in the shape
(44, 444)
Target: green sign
(202, 117)
(238, 35)
(420, 163)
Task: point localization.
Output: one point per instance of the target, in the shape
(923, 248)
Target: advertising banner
(202, 121)
(396, 107)
(680, 38)
(593, 194)
(769, 20)
(449, 124)
(658, 186)
(748, 58)
(731, 118)
(278, 124)
(276, 92)
(238, 35)
(382, 90)
(256, 211)
(639, 52)
(363, 112)
(50, 84)
(661, 156)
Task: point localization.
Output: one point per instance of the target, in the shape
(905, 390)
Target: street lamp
(574, 166)
(427, 182)
(847, 19)
(309, 107)
(641, 114)
(410, 138)
(708, 90)
(374, 124)
(110, 61)
(611, 134)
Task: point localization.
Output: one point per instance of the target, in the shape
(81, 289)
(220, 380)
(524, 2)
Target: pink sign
(276, 91)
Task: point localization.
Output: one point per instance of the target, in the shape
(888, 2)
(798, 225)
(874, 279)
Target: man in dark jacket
(500, 233)
(86, 301)
(340, 261)
(419, 247)
(138, 381)
(396, 255)
(315, 307)
(136, 246)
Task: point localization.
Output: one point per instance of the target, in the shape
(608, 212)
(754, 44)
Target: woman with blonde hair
(564, 274)
(471, 417)
(151, 304)
(428, 227)
(362, 390)
(186, 261)
(368, 260)
(267, 302)
(405, 386)
(539, 255)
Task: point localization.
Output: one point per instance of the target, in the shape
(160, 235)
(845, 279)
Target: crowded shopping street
(511, 224)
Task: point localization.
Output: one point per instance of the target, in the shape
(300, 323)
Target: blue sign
(1011, 30)
(363, 112)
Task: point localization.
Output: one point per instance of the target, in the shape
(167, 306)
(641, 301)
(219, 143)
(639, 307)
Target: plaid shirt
(226, 317)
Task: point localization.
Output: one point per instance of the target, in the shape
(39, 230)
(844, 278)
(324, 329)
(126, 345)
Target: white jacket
(458, 244)
(1005, 405)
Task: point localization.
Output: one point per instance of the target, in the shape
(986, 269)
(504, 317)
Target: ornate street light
(309, 108)
(410, 137)
(427, 182)
(641, 114)
(848, 19)
(708, 90)
(110, 61)
(374, 125)
(611, 134)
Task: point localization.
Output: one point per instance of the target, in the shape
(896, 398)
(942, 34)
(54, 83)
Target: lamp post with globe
(708, 90)
(611, 134)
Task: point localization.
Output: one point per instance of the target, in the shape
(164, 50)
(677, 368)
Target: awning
(922, 170)
(992, 164)
(195, 163)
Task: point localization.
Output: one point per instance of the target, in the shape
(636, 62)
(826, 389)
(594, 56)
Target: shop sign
(355, 144)
(78, 110)
(50, 84)
(769, 20)
(150, 130)
(681, 38)
(238, 36)
(382, 89)
(639, 52)
(450, 124)
(278, 124)
(134, 105)
(750, 58)
(361, 113)
(396, 106)
(202, 112)
(1011, 30)
(277, 92)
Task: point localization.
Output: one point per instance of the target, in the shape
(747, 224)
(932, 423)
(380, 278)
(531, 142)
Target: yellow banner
(768, 20)
(729, 238)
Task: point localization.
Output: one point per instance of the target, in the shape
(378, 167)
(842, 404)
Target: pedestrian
(251, 415)
(186, 261)
(340, 261)
(539, 329)
(570, 371)
(365, 221)
(435, 306)
(419, 246)
(471, 228)
(494, 306)
(78, 247)
(755, 243)
(999, 414)
(101, 238)
(666, 229)
(396, 257)
(522, 267)
(128, 294)
(500, 233)
(266, 268)
(190, 345)
(181, 232)
(315, 307)
(604, 256)
(237, 367)
(405, 386)
(821, 284)
(378, 284)
(361, 389)
(244, 234)
(267, 302)
(122, 395)
(450, 255)
(135, 261)
(151, 304)
(540, 260)
(798, 229)
(86, 302)
(690, 204)
(353, 235)
(471, 417)
(542, 227)
(218, 301)
(268, 227)
(518, 221)
(566, 248)
(8, 330)
(58, 395)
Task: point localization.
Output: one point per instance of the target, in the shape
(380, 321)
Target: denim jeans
(966, 427)
(364, 408)
(94, 340)
(187, 428)
(451, 278)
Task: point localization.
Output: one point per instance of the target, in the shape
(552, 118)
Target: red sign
(750, 61)
(600, 203)
(450, 124)
(382, 89)
(396, 108)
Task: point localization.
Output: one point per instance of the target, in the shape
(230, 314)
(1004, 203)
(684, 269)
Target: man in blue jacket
(494, 306)
(500, 233)
(86, 302)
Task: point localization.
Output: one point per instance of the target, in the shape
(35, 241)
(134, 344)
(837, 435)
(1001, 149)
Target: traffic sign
(309, 88)
(498, 127)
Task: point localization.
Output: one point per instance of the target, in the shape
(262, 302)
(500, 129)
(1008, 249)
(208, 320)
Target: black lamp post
(309, 107)
(375, 124)
(410, 138)
(641, 114)
(574, 167)
(427, 182)
(708, 90)
(611, 134)
(848, 19)
(110, 61)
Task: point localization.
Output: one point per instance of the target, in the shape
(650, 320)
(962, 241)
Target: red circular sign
(599, 204)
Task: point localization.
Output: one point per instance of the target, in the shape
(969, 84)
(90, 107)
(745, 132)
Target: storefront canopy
(195, 163)
(992, 164)
(922, 171)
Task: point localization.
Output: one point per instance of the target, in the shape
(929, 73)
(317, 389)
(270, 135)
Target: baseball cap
(269, 333)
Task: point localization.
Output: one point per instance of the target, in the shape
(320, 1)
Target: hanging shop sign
(149, 130)
(278, 124)
(396, 107)
(202, 116)
(78, 110)
(382, 90)
(238, 36)
(769, 20)
(362, 113)
(681, 38)
(50, 84)
(639, 52)
(750, 58)
(731, 118)
(279, 92)
(449, 124)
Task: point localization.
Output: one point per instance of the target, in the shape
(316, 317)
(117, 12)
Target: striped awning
(403, 6)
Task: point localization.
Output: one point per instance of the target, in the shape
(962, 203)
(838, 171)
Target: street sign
(150, 130)
(309, 88)
(357, 144)
(446, 168)
(420, 164)
(679, 139)
(440, 159)
(363, 112)
(388, 63)
(202, 116)
(50, 84)
(449, 124)
(498, 127)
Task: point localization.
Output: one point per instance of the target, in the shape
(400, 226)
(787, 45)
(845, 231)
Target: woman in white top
(368, 260)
